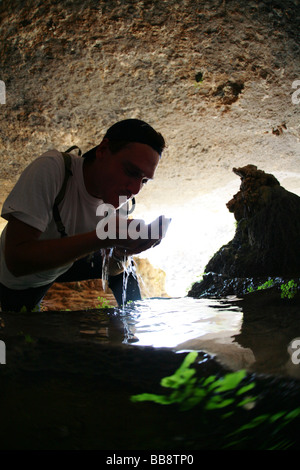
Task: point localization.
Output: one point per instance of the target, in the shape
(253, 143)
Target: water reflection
(189, 324)
(172, 322)
(255, 337)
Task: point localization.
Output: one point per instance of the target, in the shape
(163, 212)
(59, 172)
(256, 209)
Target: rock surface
(266, 241)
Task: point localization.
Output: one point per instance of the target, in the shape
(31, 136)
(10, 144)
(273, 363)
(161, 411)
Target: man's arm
(26, 254)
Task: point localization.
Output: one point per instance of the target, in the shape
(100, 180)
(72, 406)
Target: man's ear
(102, 148)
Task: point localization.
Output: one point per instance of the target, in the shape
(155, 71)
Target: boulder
(266, 243)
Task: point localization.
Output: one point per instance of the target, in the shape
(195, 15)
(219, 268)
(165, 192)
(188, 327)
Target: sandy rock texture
(218, 78)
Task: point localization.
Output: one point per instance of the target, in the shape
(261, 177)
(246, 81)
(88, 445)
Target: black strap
(61, 194)
(73, 148)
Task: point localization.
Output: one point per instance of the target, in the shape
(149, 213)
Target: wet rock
(152, 280)
(266, 241)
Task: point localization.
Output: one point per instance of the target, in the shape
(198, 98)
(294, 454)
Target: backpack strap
(61, 194)
(73, 148)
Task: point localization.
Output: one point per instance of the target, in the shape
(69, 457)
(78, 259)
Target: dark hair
(135, 130)
(128, 131)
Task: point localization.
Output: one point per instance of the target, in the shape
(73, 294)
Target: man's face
(123, 173)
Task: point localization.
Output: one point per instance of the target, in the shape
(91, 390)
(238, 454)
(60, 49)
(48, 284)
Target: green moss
(289, 290)
(104, 303)
(226, 401)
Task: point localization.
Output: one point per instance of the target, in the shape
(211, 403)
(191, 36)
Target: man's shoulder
(50, 161)
(52, 154)
(48, 167)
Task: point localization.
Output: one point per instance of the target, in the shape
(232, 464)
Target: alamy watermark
(296, 94)
(294, 351)
(115, 225)
(2, 92)
(2, 352)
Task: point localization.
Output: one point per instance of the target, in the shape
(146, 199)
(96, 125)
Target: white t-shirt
(31, 201)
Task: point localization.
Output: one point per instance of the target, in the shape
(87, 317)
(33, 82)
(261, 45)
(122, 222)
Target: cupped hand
(132, 236)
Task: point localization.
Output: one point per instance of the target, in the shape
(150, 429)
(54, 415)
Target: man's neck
(88, 178)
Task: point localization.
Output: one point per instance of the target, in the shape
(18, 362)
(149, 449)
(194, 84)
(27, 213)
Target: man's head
(126, 159)
(134, 130)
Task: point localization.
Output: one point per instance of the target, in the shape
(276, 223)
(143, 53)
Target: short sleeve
(31, 200)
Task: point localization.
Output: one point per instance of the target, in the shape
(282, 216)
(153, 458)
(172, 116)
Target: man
(34, 255)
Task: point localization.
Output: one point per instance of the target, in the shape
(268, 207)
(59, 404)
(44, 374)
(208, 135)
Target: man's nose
(135, 186)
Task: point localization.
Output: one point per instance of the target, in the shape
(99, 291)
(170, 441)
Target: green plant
(225, 401)
(189, 391)
(104, 303)
(27, 338)
(275, 422)
(24, 309)
(289, 289)
(265, 285)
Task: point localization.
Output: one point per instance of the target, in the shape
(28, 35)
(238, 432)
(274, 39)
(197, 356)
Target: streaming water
(106, 255)
(127, 265)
